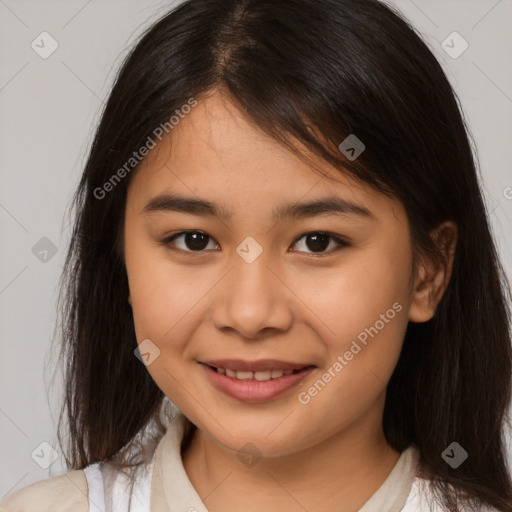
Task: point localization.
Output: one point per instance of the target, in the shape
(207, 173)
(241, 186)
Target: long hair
(308, 73)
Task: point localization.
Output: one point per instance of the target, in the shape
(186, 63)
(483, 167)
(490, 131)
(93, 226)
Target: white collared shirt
(98, 488)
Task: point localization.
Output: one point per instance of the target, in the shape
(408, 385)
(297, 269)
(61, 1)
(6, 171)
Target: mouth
(255, 381)
(262, 370)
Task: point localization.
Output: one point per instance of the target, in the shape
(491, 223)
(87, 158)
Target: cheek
(353, 295)
(160, 294)
(362, 305)
(164, 302)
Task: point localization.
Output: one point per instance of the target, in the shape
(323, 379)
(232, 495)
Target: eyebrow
(331, 205)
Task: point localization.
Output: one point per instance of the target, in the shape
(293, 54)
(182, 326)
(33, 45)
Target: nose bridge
(253, 298)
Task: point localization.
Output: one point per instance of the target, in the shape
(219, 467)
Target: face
(326, 288)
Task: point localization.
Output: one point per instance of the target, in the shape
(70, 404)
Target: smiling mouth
(260, 376)
(260, 370)
(256, 381)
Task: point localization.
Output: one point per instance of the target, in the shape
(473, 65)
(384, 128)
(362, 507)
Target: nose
(253, 300)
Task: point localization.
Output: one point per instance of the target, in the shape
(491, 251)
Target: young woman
(282, 292)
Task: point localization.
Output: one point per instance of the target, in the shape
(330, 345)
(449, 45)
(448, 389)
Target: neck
(340, 473)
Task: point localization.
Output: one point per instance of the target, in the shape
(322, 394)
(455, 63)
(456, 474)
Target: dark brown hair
(307, 72)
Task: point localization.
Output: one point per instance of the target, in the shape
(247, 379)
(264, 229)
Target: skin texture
(291, 304)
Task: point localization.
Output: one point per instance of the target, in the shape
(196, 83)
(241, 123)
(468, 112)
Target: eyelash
(339, 240)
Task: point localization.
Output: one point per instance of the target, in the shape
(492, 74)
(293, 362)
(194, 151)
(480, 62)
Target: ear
(433, 274)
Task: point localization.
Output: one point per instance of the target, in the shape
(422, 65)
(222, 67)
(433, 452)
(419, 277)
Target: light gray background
(49, 110)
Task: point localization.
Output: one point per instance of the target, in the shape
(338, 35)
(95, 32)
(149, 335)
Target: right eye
(193, 241)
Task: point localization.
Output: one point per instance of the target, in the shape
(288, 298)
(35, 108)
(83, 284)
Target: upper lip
(255, 366)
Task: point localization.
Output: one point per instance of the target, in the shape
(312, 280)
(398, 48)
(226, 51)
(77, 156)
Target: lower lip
(253, 390)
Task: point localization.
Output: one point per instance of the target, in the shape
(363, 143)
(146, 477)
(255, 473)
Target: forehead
(215, 152)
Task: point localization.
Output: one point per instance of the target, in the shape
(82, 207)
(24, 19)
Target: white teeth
(244, 375)
(259, 376)
(262, 375)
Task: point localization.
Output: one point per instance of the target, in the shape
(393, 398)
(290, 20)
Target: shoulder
(422, 499)
(62, 493)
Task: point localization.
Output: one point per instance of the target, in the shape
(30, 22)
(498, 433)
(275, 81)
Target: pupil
(196, 241)
(319, 242)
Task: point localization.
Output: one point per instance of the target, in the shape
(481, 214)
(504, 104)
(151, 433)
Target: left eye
(318, 241)
(197, 241)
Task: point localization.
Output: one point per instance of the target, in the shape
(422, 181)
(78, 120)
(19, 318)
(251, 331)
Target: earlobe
(433, 274)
